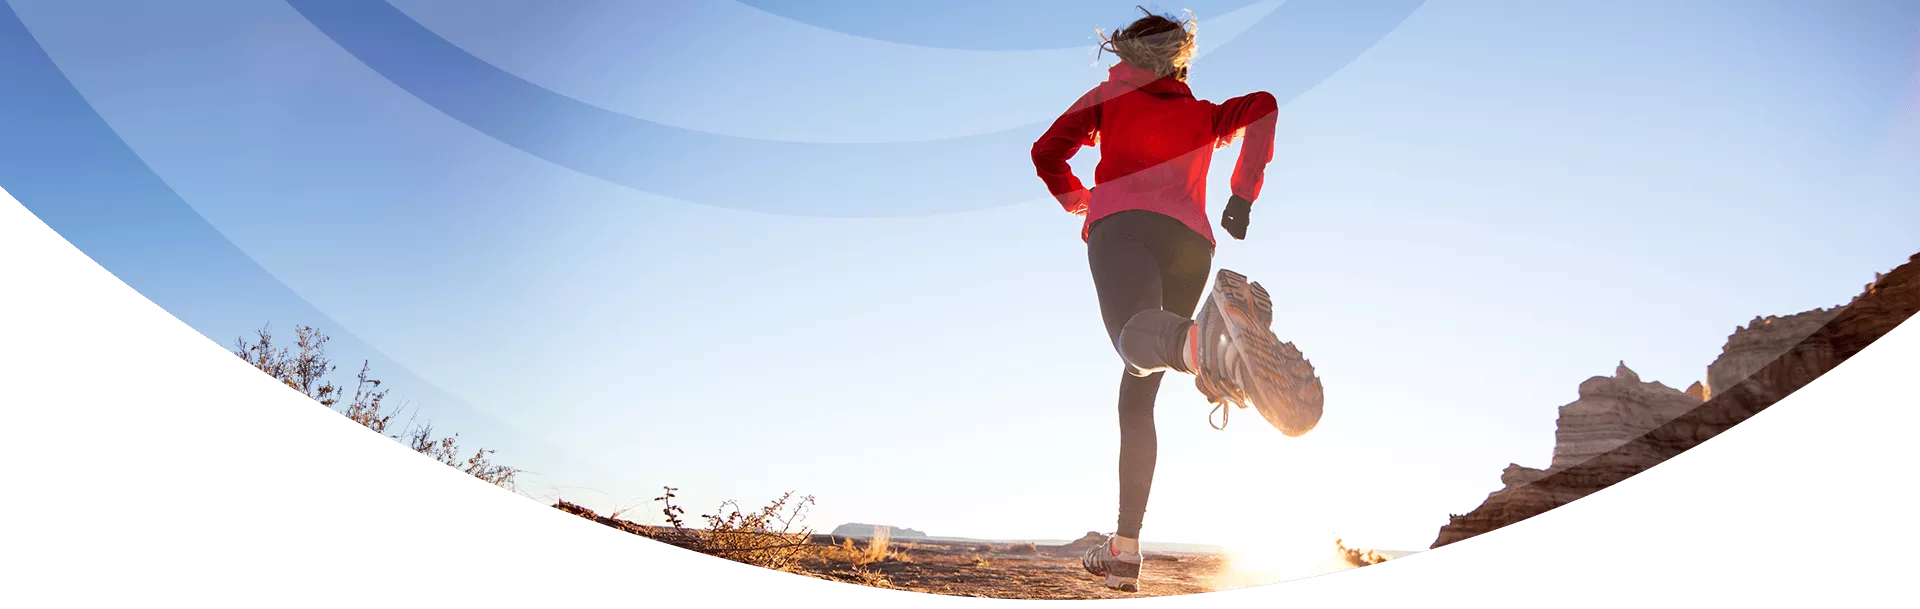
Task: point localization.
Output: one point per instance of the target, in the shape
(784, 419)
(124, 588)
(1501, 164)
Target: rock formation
(855, 529)
(1610, 412)
(1078, 546)
(1073, 549)
(1752, 347)
(1621, 426)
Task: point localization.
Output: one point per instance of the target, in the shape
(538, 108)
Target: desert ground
(1012, 570)
(1023, 570)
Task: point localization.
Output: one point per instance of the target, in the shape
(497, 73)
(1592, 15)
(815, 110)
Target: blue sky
(746, 247)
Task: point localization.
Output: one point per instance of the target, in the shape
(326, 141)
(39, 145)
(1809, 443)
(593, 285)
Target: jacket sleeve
(1250, 117)
(1077, 128)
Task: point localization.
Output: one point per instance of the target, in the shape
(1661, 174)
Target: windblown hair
(1160, 44)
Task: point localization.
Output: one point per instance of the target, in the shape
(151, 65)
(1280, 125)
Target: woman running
(1150, 246)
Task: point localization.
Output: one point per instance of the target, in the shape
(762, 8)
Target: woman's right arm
(1250, 117)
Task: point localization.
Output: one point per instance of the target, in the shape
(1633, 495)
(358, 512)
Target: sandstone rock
(1516, 475)
(1610, 412)
(1760, 342)
(1620, 426)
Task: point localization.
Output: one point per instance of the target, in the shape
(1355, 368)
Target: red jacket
(1156, 142)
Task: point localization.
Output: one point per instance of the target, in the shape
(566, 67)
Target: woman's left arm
(1077, 128)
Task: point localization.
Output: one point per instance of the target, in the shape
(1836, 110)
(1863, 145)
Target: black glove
(1234, 217)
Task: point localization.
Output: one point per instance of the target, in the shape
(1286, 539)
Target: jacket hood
(1133, 77)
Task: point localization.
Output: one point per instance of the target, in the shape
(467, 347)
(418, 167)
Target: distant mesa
(1078, 546)
(1621, 426)
(1169, 552)
(866, 531)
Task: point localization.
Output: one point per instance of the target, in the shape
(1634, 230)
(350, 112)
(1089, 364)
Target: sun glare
(1286, 536)
(1279, 557)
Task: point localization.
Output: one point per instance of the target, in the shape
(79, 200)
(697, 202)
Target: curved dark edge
(971, 173)
(219, 485)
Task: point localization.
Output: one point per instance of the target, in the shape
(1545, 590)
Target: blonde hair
(1160, 44)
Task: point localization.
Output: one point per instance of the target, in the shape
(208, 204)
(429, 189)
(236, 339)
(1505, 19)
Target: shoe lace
(1222, 387)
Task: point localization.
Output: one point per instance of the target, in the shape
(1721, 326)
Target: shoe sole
(1285, 389)
(1123, 584)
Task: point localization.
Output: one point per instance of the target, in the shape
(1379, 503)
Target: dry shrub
(305, 368)
(1356, 557)
(772, 536)
(446, 450)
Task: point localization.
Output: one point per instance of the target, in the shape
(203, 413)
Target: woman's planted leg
(1126, 276)
(1139, 449)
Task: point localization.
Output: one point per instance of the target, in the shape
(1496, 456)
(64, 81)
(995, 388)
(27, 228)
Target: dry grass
(879, 549)
(866, 577)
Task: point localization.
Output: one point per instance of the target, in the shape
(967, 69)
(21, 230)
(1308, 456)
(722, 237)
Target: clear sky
(747, 247)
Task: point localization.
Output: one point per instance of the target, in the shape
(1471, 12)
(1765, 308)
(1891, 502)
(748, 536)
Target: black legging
(1149, 271)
